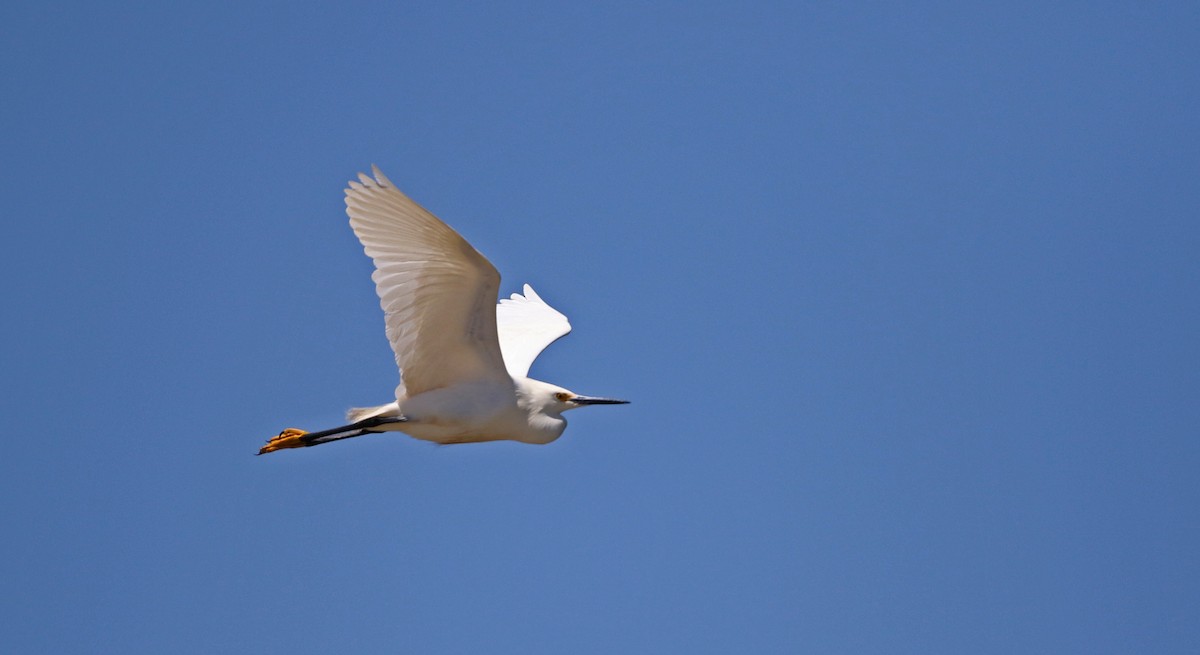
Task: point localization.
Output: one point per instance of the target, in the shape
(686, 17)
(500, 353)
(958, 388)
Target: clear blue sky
(905, 298)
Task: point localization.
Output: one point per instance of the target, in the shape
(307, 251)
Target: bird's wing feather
(527, 325)
(437, 292)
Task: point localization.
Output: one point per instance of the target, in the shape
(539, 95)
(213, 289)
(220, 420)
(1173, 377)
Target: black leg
(365, 425)
(299, 439)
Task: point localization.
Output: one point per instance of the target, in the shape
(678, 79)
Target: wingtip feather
(380, 177)
(368, 182)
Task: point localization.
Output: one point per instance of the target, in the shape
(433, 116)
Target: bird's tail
(356, 414)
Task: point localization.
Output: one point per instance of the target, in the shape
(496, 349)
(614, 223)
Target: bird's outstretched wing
(527, 325)
(437, 292)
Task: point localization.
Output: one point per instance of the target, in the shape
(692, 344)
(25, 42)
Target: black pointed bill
(589, 400)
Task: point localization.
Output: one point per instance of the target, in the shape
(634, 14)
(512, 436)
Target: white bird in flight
(463, 360)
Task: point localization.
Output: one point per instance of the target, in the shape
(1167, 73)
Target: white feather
(437, 292)
(526, 325)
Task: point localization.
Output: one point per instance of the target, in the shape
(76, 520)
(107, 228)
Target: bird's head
(552, 399)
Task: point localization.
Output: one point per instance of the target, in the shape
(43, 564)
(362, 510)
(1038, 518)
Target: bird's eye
(562, 397)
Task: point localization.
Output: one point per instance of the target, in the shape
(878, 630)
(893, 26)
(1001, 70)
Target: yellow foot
(289, 438)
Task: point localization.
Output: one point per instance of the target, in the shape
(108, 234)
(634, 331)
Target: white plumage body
(474, 411)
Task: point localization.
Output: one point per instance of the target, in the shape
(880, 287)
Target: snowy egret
(463, 359)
